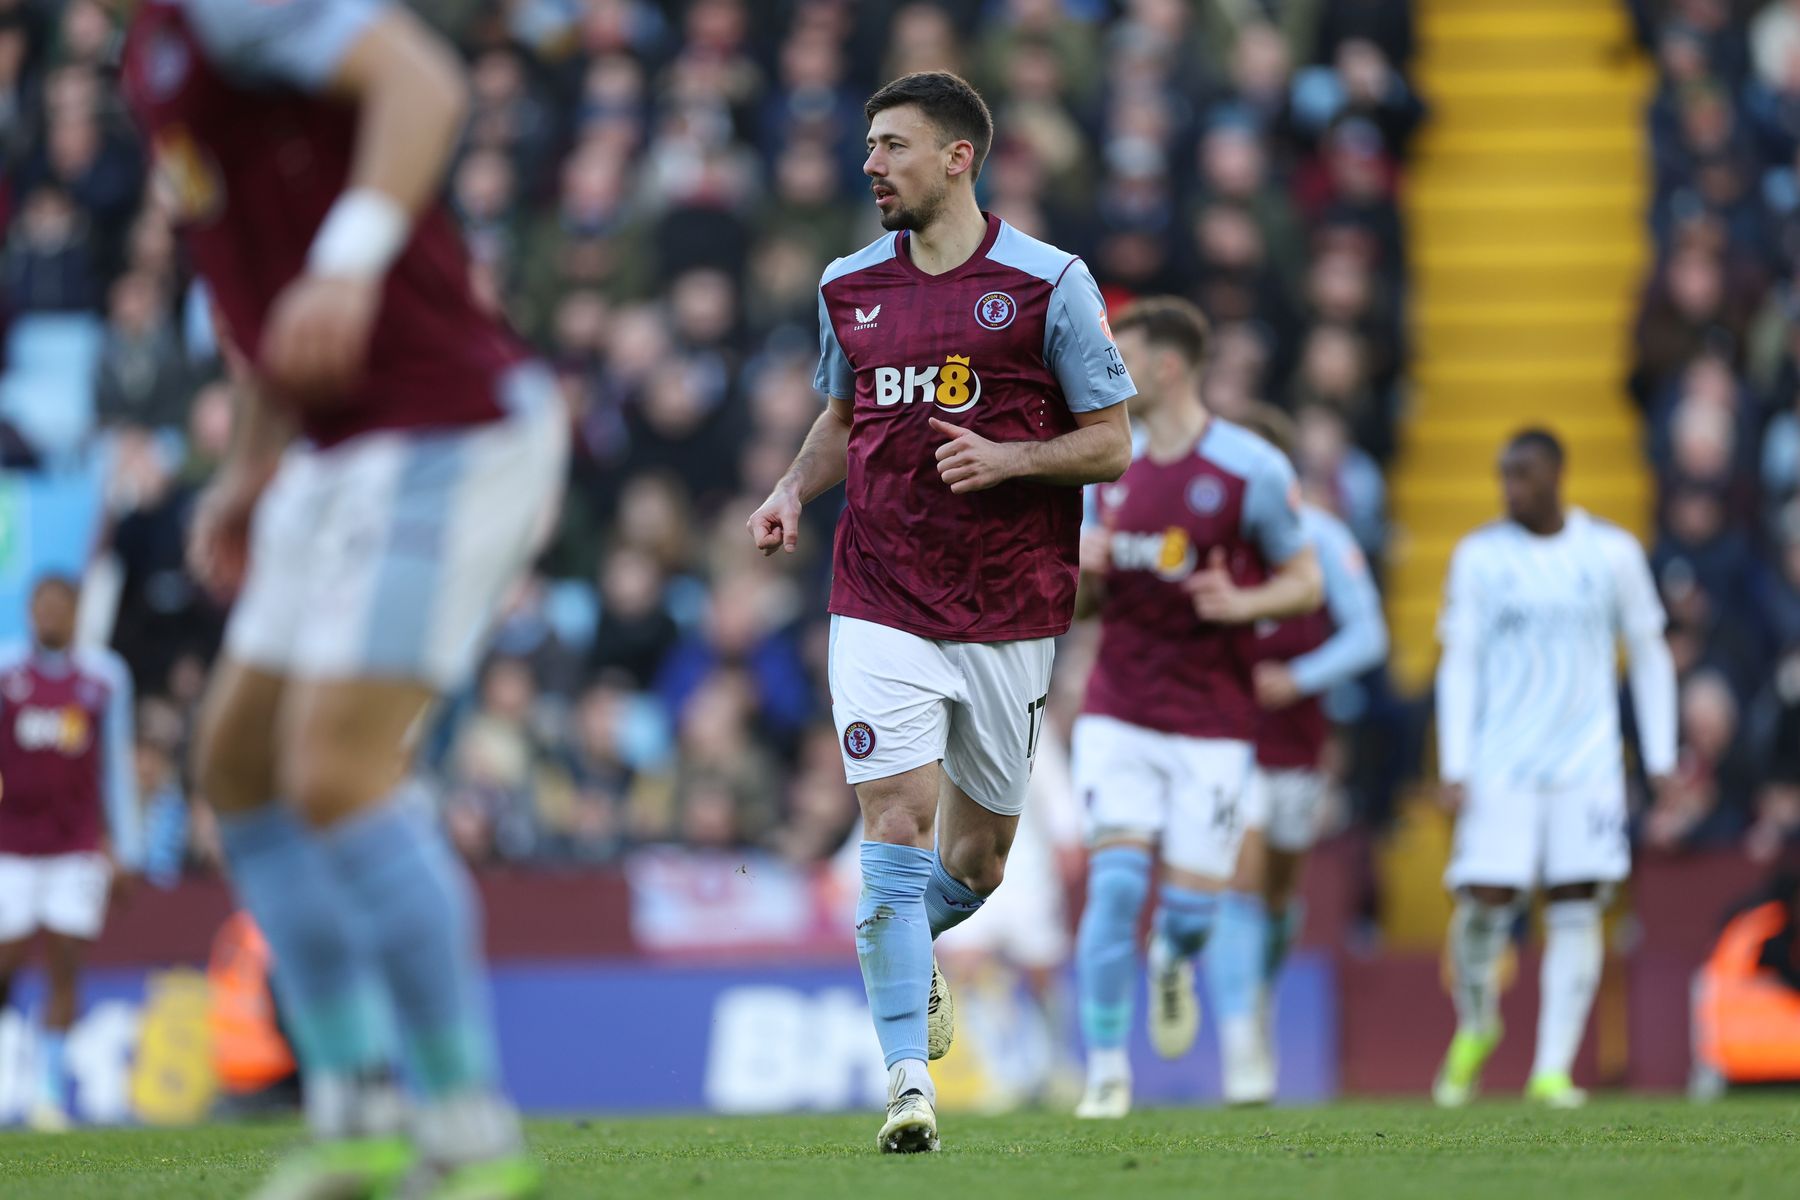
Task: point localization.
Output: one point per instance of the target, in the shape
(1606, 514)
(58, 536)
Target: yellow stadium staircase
(1525, 216)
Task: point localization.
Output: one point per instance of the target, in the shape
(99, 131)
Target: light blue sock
(1106, 945)
(414, 896)
(1234, 960)
(893, 944)
(53, 1072)
(332, 996)
(1184, 918)
(948, 901)
(1284, 931)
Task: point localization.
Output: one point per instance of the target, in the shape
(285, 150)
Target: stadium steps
(1524, 217)
(1524, 210)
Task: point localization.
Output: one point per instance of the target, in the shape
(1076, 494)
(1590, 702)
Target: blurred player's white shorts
(1517, 837)
(387, 555)
(1193, 794)
(63, 893)
(901, 701)
(1288, 802)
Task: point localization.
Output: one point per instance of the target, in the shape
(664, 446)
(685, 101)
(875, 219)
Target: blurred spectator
(1778, 803)
(726, 791)
(1706, 800)
(163, 613)
(1340, 477)
(743, 632)
(493, 766)
(652, 192)
(143, 380)
(585, 800)
(636, 632)
(49, 264)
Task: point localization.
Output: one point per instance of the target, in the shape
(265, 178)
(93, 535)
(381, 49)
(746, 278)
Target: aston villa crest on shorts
(859, 740)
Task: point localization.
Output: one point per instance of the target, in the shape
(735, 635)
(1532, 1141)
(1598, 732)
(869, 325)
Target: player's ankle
(1108, 1064)
(909, 1075)
(472, 1125)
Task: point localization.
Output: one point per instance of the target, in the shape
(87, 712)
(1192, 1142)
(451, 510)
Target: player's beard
(916, 217)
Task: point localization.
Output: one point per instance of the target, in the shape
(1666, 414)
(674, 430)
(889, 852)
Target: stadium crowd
(651, 191)
(1718, 377)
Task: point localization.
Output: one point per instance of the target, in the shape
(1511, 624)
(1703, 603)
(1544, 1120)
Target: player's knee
(1572, 891)
(898, 825)
(1493, 897)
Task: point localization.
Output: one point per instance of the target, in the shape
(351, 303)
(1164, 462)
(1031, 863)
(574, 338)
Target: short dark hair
(1171, 322)
(1540, 439)
(1273, 426)
(948, 101)
(55, 580)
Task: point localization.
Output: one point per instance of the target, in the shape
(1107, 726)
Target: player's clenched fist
(318, 336)
(776, 525)
(1216, 596)
(969, 462)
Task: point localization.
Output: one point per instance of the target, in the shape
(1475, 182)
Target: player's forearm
(1090, 594)
(1296, 587)
(823, 459)
(1093, 454)
(124, 814)
(1653, 702)
(412, 97)
(1456, 709)
(1346, 654)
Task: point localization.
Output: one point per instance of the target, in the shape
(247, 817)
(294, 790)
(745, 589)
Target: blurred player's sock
(53, 1046)
(1236, 955)
(893, 944)
(332, 996)
(1235, 959)
(1106, 948)
(1284, 931)
(1573, 952)
(1478, 937)
(1184, 918)
(413, 895)
(948, 901)
(53, 1071)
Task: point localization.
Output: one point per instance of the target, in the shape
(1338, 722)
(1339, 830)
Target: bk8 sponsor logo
(66, 730)
(1170, 553)
(954, 385)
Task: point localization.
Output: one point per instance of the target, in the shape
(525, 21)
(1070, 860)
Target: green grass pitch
(1636, 1149)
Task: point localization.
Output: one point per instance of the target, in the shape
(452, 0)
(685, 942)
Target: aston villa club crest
(859, 740)
(1206, 495)
(995, 310)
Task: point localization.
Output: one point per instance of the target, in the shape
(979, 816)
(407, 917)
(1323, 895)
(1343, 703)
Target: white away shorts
(901, 701)
(61, 893)
(387, 555)
(1288, 800)
(1191, 793)
(1517, 837)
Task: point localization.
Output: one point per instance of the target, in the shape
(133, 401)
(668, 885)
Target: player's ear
(960, 158)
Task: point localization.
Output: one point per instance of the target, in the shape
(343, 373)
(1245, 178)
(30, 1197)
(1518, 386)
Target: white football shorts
(1509, 836)
(386, 556)
(61, 893)
(1193, 794)
(1289, 800)
(901, 701)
